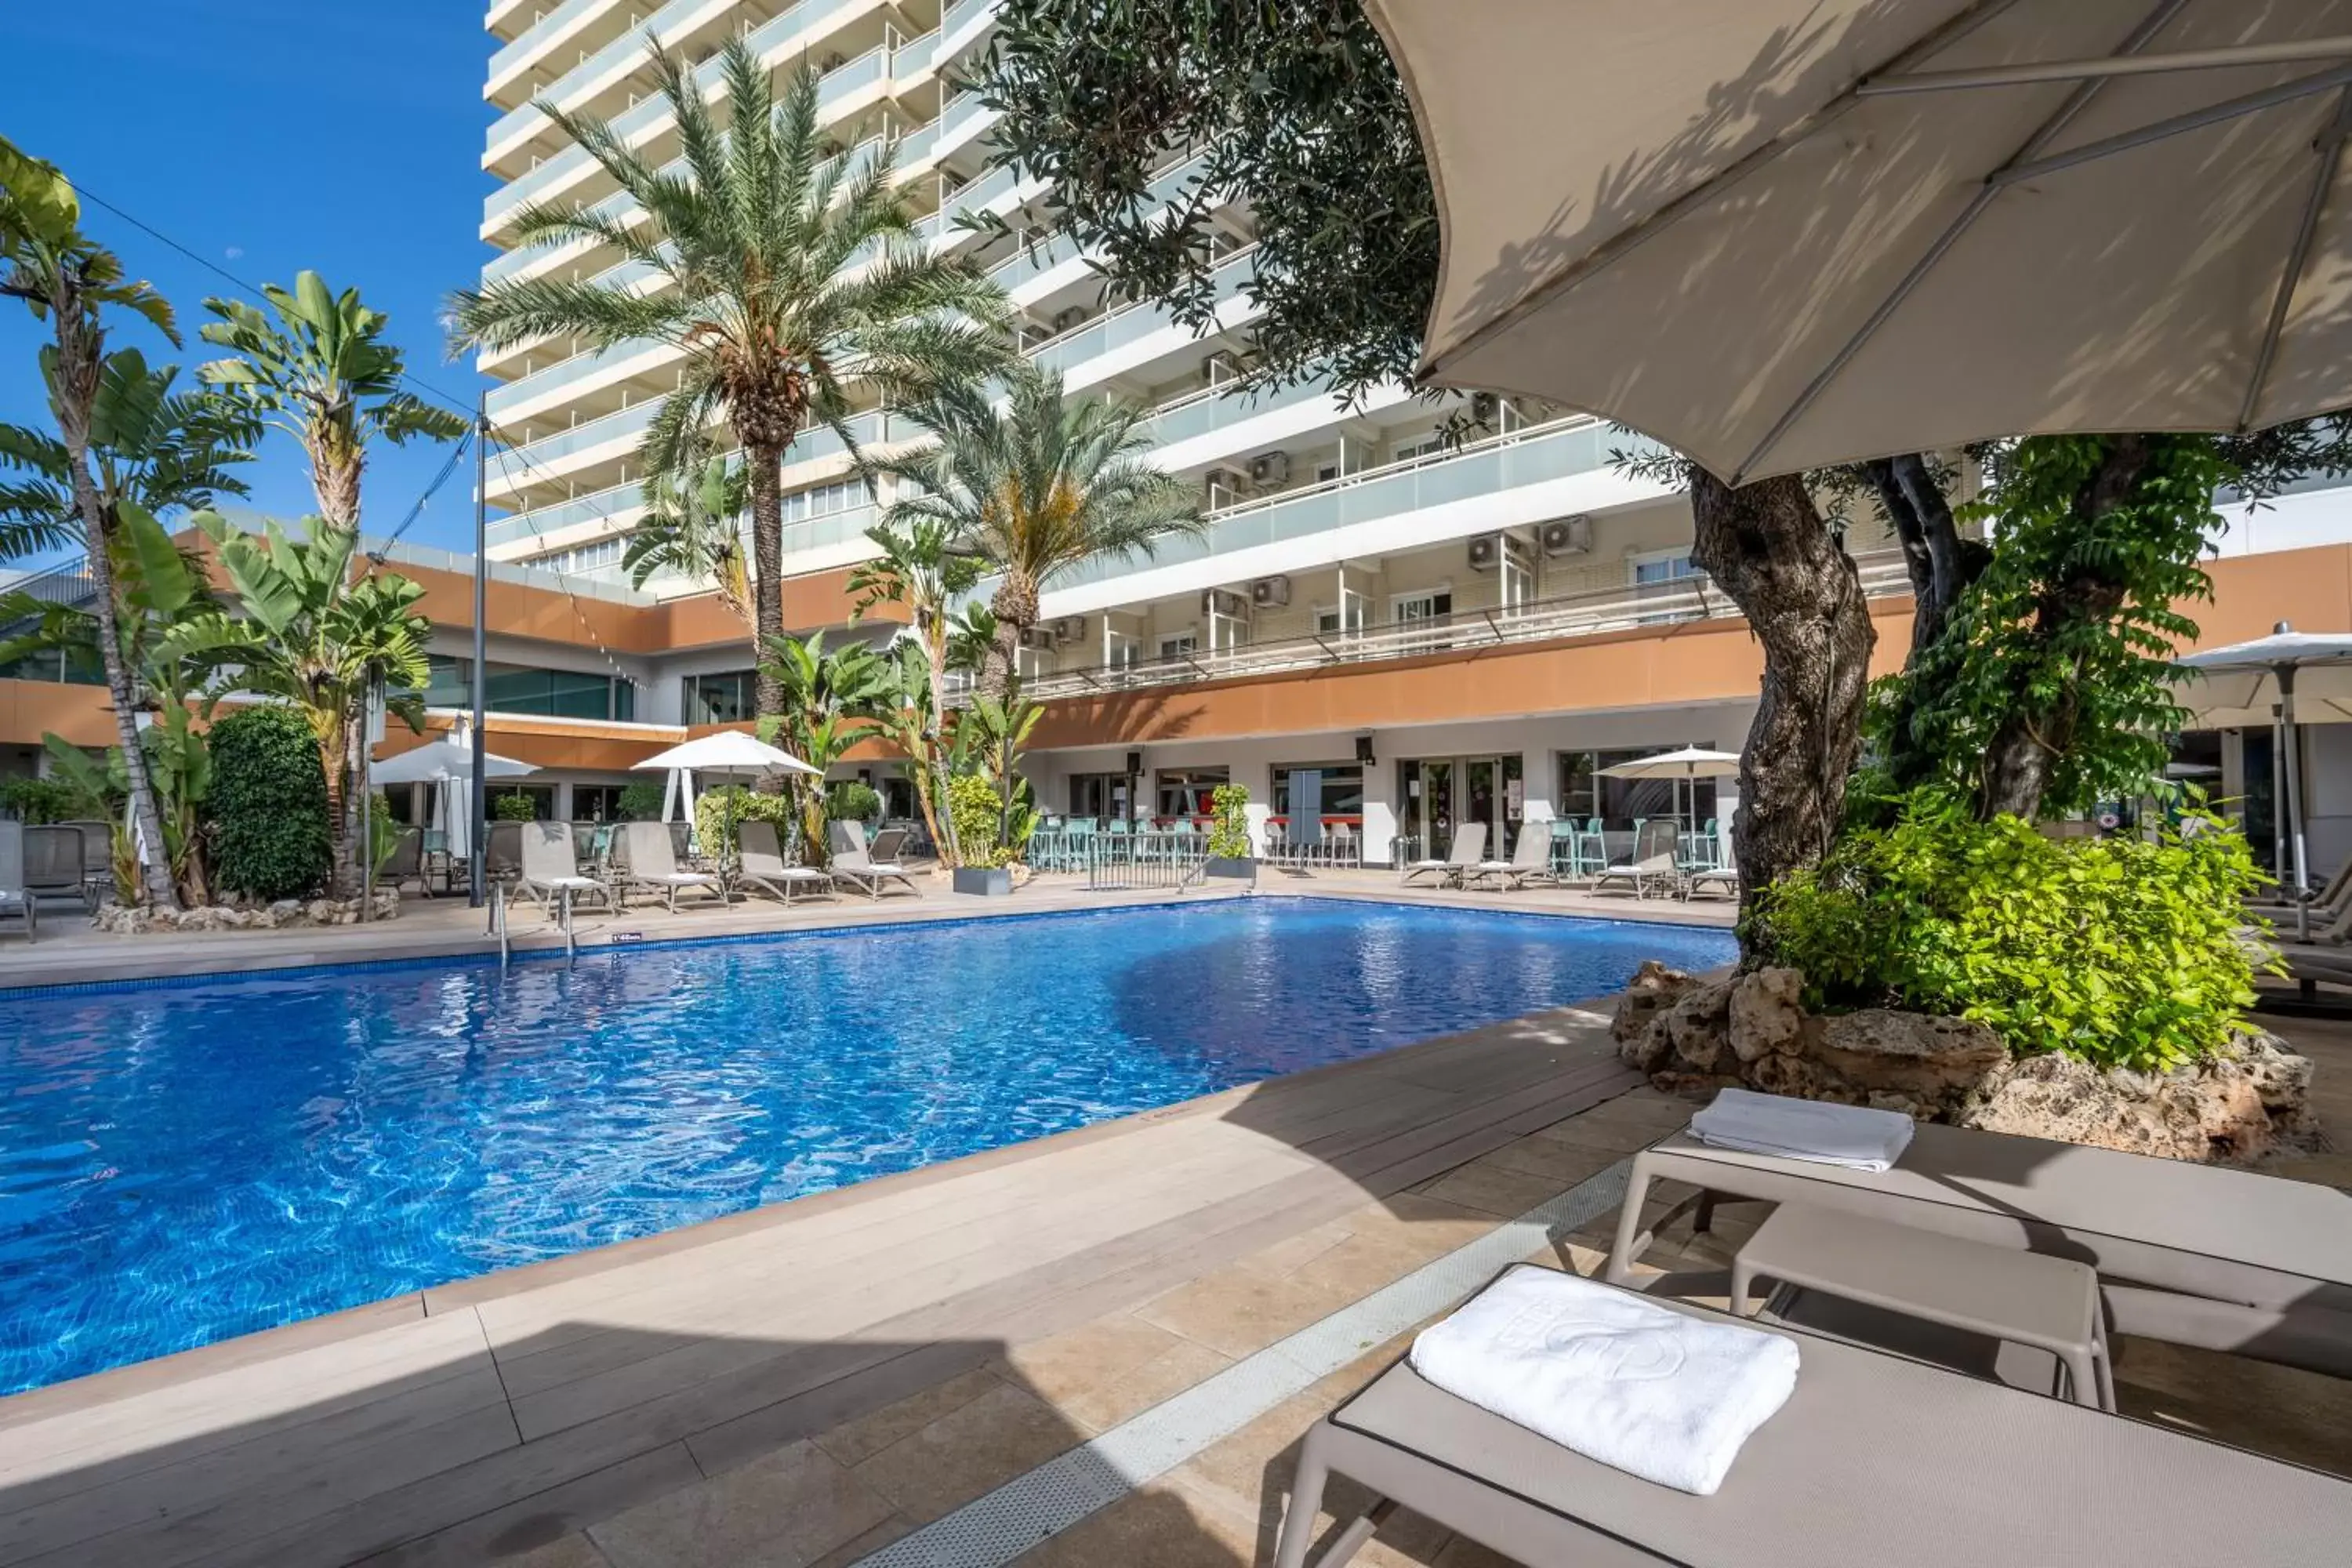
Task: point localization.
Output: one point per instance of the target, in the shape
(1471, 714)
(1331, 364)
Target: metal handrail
(498, 922)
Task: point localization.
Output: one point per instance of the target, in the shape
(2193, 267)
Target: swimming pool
(180, 1162)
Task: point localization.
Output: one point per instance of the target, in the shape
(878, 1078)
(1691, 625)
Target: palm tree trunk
(1015, 605)
(81, 352)
(765, 465)
(934, 766)
(331, 747)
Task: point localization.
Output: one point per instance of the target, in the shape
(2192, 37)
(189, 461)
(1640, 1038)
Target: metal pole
(479, 792)
(2292, 764)
(367, 802)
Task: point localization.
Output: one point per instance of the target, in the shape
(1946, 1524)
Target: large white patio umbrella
(1782, 233)
(2241, 686)
(727, 751)
(1689, 763)
(447, 760)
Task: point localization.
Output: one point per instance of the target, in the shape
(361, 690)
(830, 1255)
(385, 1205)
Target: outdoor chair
(97, 858)
(2327, 905)
(1873, 1458)
(551, 867)
(760, 866)
(1530, 860)
(1469, 847)
(868, 870)
(647, 861)
(15, 902)
(2195, 1255)
(502, 851)
(53, 865)
(405, 863)
(1654, 861)
(1723, 878)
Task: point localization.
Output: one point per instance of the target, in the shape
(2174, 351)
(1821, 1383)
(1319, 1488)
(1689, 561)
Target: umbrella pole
(2291, 763)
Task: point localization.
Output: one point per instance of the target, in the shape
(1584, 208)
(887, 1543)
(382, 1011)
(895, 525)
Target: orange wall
(818, 599)
(31, 709)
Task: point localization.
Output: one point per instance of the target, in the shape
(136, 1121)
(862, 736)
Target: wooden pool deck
(851, 1378)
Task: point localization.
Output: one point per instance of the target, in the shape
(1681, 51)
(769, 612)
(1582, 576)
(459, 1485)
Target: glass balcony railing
(1133, 322)
(623, 422)
(868, 430)
(589, 507)
(532, 38)
(1030, 260)
(777, 34)
(962, 11)
(566, 372)
(1214, 409)
(962, 112)
(1578, 446)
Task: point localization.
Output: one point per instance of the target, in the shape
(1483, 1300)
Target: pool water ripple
(180, 1164)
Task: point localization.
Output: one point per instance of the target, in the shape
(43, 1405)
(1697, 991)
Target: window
(1099, 796)
(1429, 445)
(1342, 793)
(1585, 791)
(1178, 645)
(824, 500)
(1433, 605)
(520, 689)
(1346, 618)
(595, 803)
(721, 699)
(582, 557)
(1326, 472)
(542, 798)
(1186, 791)
(1668, 566)
(1122, 650)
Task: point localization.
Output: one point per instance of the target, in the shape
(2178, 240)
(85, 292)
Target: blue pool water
(182, 1163)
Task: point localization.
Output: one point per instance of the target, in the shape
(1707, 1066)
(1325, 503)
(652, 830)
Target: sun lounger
(1469, 848)
(1874, 1458)
(1530, 860)
(870, 870)
(551, 866)
(15, 902)
(2196, 1255)
(53, 865)
(1724, 879)
(760, 865)
(651, 862)
(97, 858)
(1656, 860)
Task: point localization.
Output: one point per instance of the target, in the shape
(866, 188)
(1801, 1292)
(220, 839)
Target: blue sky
(268, 136)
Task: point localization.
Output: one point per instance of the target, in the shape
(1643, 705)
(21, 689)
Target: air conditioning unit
(1039, 637)
(1069, 628)
(1064, 319)
(1270, 593)
(1566, 536)
(1270, 468)
(1222, 487)
(1225, 604)
(1489, 551)
(1484, 406)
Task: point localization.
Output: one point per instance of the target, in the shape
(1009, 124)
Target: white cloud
(233, 252)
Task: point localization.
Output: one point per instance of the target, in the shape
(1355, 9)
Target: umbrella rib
(2330, 148)
(2291, 52)
(1621, 245)
(2177, 125)
(2139, 37)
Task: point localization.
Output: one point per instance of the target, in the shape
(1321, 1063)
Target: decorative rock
(1927, 1057)
(1698, 1027)
(118, 920)
(1766, 1017)
(2068, 1101)
(1653, 988)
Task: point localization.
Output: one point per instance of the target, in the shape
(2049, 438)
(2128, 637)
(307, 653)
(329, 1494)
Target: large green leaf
(35, 200)
(163, 574)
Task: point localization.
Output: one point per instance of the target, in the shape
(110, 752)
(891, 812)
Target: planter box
(984, 882)
(1240, 868)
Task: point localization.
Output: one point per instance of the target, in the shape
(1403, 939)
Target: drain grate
(999, 1526)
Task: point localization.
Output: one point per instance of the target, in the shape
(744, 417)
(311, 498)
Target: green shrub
(515, 805)
(1229, 826)
(979, 814)
(641, 801)
(2122, 952)
(266, 813)
(850, 801)
(715, 809)
(36, 802)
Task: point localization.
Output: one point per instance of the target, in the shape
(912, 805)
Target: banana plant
(991, 735)
(693, 526)
(833, 697)
(316, 365)
(312, 633)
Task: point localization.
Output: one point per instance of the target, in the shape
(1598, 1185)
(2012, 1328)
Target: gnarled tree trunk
(1765, 544)
(1941, 565)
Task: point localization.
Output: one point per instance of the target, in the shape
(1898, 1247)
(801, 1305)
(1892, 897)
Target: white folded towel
(1853, 1136)
(1658, 1394)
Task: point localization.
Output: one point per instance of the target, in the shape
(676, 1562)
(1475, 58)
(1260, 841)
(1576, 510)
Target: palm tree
(322, 373)
(1034, 487)
(313, 635)
(919, 570)
(67, 280)
(781, 274)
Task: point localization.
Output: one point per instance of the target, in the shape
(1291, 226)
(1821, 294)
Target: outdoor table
(2001, 1293)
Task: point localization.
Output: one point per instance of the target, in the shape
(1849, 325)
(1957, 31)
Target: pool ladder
(499, 924)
